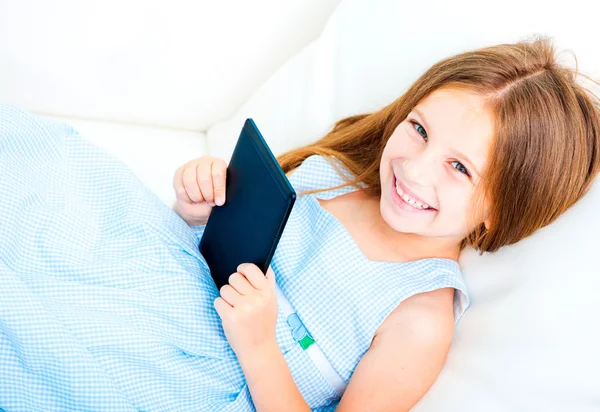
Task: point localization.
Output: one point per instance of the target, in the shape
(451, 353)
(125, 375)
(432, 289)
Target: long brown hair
(546, 148)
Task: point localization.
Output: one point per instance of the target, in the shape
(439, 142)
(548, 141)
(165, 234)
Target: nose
(420, 168)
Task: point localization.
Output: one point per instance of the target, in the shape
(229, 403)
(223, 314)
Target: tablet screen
(259, 199)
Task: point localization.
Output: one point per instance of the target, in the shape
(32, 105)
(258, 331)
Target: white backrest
(181, 64)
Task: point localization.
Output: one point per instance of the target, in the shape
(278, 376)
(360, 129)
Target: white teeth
(410, 200)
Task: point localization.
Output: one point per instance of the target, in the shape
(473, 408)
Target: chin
(394, 221)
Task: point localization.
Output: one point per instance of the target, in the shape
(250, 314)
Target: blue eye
(419, 129)
(423, 134)
(461, 169)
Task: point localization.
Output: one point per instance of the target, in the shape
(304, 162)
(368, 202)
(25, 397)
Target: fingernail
(211, 204)
(219, 200)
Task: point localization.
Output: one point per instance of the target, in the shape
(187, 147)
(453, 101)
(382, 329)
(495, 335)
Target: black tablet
(258, 202)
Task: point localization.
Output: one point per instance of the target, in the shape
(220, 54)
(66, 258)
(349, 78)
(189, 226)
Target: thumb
(270, 277)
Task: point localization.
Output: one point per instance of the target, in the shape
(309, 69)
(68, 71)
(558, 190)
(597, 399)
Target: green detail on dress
(306, 341)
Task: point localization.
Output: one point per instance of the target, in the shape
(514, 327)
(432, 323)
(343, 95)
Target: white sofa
(146, 80)
(157, 87)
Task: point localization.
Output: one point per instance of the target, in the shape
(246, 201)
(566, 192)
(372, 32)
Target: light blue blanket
(105, 301)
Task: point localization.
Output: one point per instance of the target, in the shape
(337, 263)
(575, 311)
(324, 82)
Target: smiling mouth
(406, 205)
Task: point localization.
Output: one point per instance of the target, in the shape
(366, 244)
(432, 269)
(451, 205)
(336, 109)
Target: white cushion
(183, 64)
(152, 153)
(529, 341)
(368, 54)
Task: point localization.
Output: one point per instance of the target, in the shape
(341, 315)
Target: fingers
(247, 280)
(222, 306)
(180, 192)
(219, 175)
(230, 295)
(191, 185)
(270, 277)
(253, 274)
(240, 283)
(211, 180)
(203, 176)
(201, 180)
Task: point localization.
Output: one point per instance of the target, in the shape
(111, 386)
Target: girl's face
(434, 157)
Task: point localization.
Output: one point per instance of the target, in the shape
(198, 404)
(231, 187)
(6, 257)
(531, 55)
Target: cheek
(399, 144)
(455, 200)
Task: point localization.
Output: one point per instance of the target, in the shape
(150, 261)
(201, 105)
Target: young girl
(106, 303)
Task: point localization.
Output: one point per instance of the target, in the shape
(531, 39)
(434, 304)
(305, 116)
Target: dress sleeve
(198, 232)
(328, 408)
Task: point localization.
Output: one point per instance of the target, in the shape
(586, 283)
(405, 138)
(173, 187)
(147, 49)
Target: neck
(414, 246)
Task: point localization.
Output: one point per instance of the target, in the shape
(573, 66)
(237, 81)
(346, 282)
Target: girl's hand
(199, 185)
(248, 309)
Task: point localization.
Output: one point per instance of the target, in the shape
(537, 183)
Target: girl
(108, 305)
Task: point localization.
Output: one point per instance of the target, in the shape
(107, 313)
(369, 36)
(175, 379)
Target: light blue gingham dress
(107, 305)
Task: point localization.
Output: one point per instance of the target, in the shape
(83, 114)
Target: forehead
(459, 120)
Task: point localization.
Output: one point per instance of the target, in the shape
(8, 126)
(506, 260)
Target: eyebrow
(455, 152)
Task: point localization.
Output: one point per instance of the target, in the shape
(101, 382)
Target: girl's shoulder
(313, 165)
(319, 172)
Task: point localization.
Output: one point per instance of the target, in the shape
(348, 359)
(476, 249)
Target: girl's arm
(404, 360)
(405, 357)
(270, 381)
(248, 308)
